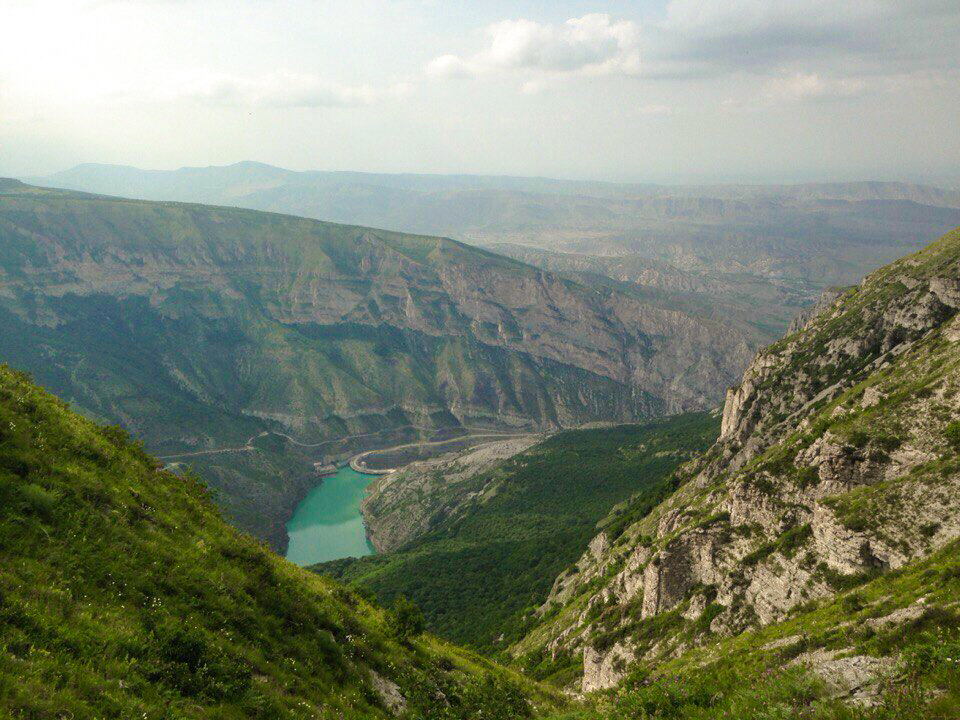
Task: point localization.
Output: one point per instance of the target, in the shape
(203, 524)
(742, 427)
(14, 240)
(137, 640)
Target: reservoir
(327, 524)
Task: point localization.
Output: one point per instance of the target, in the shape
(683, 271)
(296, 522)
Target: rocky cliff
(409, 502)
(838, 462)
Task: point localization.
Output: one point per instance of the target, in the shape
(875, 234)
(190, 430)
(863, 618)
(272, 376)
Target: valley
(396, 360)
(476, 539)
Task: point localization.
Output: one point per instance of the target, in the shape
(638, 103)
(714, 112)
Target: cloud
(709, 38)
(798, 50)
(655, 110)
(448, 66)
(589, 45)
(278, 89)
(804, 86)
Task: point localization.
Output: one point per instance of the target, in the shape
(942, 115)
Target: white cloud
(278, 89)
(655, 110)
(804, 86)
(448, 66)
(589, 45)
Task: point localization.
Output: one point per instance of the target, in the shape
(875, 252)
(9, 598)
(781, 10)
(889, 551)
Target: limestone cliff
(839, 460)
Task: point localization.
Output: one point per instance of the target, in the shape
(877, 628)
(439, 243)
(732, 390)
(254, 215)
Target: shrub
(406, 620)
(852, 603)
(794, 538)
(38, 500)
(859, 438)
(952, 435)
(185, 659)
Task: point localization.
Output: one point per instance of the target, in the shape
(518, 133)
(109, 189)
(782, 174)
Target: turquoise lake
(327, 524)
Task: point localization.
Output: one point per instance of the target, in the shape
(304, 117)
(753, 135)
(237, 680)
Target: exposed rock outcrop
(407, 503)
(832, 465)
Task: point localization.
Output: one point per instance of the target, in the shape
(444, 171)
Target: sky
(653, 91)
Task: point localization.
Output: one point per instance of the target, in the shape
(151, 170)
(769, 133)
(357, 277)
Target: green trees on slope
(479, 576)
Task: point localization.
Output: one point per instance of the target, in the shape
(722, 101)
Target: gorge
(202, 328)
(798, 549)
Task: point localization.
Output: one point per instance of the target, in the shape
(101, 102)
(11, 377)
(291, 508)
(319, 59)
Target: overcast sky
(667, 91)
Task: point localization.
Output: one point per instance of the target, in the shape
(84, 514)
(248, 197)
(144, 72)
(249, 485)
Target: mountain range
(776, 246)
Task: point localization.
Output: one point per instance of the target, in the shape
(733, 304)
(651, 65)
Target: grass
(123, 594)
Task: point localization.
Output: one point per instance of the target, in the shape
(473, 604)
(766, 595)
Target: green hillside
(480, 574)
(124, 595)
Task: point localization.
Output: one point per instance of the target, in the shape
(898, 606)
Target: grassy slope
(481, 574)
(123, 594)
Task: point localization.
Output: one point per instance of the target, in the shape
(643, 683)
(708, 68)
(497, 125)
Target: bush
(952, 435)
(38, 500)
(187, 660)
(852, 603)
(406, 620)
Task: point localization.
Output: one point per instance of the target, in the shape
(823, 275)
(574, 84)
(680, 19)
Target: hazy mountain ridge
(249, 174)
(783, 242)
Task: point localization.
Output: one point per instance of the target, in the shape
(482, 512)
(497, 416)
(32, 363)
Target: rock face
(405, 504)
(835, 462)
(201, 328)
(854, 678)
(389, 693)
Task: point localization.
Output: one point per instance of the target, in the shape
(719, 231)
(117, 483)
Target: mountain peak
(7, 184)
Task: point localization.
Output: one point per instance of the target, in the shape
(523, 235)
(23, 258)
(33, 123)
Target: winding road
(249, 446)
(356, 460)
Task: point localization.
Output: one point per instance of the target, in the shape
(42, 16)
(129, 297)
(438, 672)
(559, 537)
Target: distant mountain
(247, 177)
(251, 344)
(792, 239)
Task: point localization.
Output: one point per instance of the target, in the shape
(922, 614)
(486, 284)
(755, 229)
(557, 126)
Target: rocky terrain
(407, 503)
(837, 468)
(759, 305)
(252, 343)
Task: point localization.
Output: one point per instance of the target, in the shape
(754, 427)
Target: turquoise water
(327, 524)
